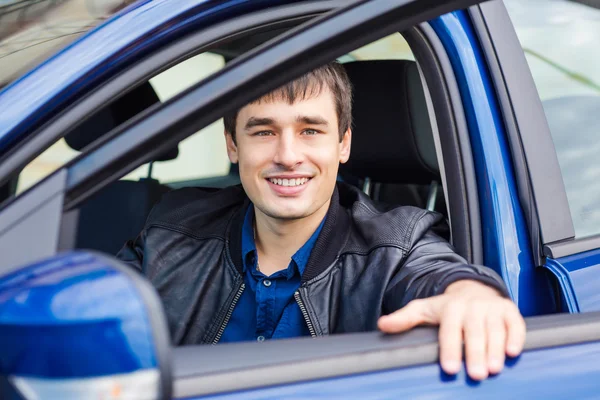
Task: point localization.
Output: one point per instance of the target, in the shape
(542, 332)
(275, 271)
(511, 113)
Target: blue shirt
(267, 308)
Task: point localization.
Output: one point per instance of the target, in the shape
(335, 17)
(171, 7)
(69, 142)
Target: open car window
(202, 155)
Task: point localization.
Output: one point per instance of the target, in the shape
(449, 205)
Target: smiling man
(293, 252)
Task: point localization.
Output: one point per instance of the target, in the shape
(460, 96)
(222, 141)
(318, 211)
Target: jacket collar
(326, 249)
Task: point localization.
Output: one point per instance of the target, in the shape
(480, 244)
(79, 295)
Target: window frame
(460, 184)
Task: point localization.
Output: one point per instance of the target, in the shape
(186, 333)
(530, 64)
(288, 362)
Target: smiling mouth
(289, 182)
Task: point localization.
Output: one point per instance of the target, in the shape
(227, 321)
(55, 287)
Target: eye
(263, 133)
(310, 132)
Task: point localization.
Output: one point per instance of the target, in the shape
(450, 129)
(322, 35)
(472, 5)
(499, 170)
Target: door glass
(197, 158)
(560, 41)
(30, 31)
(49, 161)
(203, 154)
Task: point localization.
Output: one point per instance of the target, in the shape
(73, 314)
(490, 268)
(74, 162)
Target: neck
(278, 240)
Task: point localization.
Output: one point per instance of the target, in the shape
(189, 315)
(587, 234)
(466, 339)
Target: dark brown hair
(332, 76)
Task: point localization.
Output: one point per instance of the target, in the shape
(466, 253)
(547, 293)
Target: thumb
(409, 316)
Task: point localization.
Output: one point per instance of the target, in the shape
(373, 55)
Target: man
(292, 252)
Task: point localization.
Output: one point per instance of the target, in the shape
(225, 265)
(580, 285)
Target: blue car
(486, 113)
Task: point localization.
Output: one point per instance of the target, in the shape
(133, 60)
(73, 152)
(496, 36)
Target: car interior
(393, 157)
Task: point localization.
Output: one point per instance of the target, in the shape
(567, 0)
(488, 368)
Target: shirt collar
(300, 258)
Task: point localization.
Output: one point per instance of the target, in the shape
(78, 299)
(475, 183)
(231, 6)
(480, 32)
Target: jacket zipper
(311, 328)
(229, 312)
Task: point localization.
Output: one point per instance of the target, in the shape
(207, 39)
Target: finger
(496, 342)
(516, 331)
(475, 345)
(451, 339)
(404, 319)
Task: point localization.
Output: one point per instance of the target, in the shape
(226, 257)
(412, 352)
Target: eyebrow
(266, 121)
(312, 120)
(254, 121)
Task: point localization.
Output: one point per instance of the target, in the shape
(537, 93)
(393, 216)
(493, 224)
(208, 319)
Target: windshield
(32, 30)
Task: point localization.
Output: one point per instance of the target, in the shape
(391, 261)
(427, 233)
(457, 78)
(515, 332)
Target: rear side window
(203, 154)
(200, 156)
(560, 41)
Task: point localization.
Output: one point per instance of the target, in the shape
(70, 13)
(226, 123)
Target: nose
(288, 153)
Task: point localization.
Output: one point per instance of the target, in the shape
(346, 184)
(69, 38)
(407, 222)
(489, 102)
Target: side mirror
(82, 325)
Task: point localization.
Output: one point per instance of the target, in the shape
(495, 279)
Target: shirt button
(267, 282)
(260, 339)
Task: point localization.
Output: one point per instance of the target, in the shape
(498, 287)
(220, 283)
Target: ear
(345, 145)
(232, 152)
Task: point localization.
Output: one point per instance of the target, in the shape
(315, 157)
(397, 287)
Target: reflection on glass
(31, 30)
(560, 39)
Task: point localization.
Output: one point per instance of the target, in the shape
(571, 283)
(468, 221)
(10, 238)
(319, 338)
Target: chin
(287, 212)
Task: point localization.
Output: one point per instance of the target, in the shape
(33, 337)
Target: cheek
(327, 159)
(252, 163)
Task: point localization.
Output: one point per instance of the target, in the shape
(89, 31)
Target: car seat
(119, 211)
(393, 156)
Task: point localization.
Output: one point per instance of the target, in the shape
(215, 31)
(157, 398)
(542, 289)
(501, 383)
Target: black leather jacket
(365, 263)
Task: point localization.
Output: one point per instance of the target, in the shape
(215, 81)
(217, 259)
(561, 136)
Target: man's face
(289, 155)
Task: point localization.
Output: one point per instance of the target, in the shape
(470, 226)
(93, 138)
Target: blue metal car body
(529, 377)
(33, 100)
(577, 274)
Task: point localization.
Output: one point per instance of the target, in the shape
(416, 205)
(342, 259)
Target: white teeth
(288, 182)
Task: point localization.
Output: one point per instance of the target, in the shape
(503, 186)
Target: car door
(356, 365)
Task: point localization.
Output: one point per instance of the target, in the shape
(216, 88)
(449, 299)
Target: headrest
(392, 139)
(121, 110)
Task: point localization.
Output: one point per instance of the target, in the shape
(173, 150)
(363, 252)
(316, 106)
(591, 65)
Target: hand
(490, 325)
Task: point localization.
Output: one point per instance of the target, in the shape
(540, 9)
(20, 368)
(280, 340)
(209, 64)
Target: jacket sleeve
(429, 268)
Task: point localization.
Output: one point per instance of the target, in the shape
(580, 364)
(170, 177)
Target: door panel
(536, 374)
(373, 365)
(30, 227)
